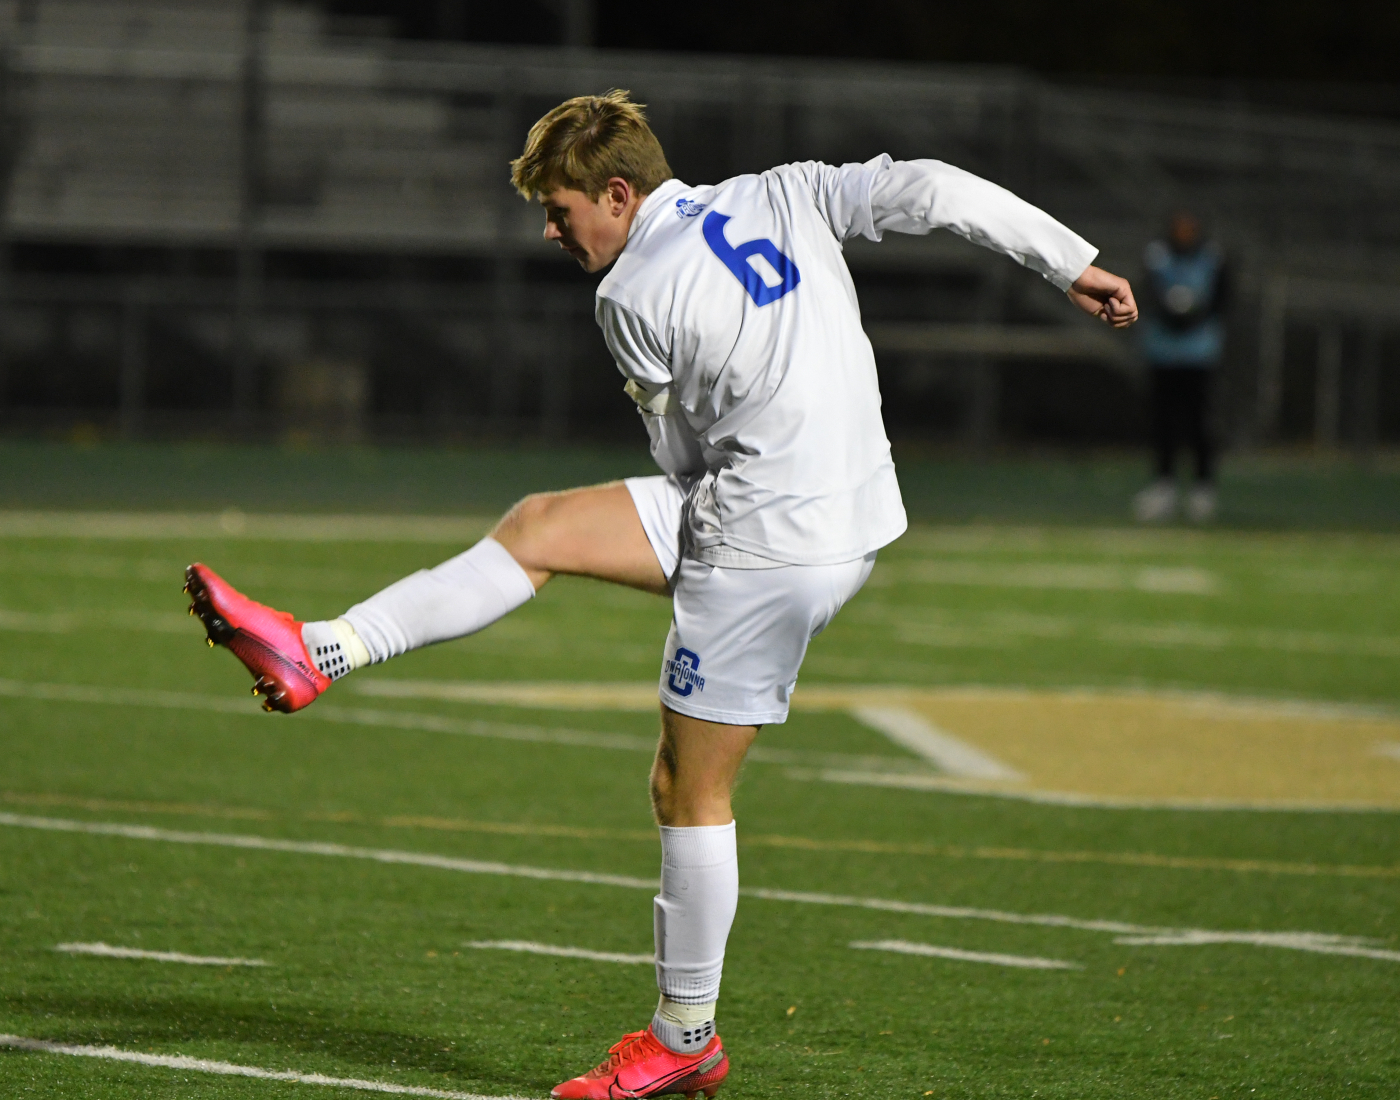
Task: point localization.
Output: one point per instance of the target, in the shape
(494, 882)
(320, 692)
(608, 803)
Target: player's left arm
(919, 196)
(1102, 294)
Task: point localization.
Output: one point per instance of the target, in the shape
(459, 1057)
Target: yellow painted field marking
(1113, 747)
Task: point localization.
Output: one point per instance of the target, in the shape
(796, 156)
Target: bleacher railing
(190, 124)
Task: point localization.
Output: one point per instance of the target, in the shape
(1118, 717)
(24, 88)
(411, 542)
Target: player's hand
(1103, 294)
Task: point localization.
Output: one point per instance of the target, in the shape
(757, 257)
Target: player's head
(586, 141)
(589, 162)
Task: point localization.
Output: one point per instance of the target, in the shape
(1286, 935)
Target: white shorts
(737, 636)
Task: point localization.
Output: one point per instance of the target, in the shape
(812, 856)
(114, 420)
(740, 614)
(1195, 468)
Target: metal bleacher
(188, 130)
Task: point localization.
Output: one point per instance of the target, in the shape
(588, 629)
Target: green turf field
(148, 804)
(1268, 492)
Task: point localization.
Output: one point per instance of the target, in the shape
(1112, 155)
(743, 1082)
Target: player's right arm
(645, 363)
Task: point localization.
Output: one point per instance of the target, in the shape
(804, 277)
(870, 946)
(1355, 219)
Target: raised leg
(592, 532)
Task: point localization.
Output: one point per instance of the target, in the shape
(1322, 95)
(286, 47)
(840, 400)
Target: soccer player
(734, 321)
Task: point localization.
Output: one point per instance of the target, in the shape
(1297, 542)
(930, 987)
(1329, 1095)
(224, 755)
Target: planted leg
(697, 763)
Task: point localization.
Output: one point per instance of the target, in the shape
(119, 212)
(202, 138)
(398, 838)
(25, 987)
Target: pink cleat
(268, 642)
(641, 1065)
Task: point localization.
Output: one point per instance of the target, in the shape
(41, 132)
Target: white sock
(334, 646)
(458, 597)
(693, 914)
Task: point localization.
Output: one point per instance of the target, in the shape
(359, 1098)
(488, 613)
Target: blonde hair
(586, 141)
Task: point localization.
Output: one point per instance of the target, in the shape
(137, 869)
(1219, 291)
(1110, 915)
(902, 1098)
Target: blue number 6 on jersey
(736, 258)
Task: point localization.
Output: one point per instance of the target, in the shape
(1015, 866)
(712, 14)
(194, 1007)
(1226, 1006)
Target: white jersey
(732, 316)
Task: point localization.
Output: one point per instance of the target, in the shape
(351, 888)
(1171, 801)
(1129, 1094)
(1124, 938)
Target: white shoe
(1156, 503)
(1200, 504)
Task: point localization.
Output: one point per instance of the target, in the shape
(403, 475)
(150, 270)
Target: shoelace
(632, 1047)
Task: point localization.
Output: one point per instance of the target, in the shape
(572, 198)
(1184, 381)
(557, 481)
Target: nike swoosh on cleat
(671, 1078)
(277, 659)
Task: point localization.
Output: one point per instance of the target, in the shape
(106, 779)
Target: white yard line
(1321, 942)
(231, 1069)
(593, 695)
(233, 524)
(1088, 577)
(1179, 635)
(247, 708)
(107, 951)
(1003, 631)
(531, 948)
(847, 769)
(321, 848)
(33, 622)
(911, 730)
(902, 725)
(543, 695)
(1025, 962)
(1300, 941)
(71, 622)
(424, 723)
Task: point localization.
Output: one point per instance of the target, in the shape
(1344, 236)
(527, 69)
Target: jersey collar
(659, 199)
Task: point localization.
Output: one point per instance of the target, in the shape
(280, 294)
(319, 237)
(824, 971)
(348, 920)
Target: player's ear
(619, 195)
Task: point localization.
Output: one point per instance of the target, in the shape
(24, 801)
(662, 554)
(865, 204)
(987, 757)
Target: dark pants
(1180, 414)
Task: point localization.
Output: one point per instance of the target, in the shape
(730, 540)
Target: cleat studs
(257, 689)
(209, 642)
(267, 705)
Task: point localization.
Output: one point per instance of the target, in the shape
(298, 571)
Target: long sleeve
(643, 360)
(919, 196)
(674, 446)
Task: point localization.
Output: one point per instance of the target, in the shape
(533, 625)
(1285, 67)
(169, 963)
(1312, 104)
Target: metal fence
(224, 207)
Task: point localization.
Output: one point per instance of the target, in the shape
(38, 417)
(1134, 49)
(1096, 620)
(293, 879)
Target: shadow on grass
(170, 1025)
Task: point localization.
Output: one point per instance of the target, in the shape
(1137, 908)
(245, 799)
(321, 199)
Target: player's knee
(660, 802)
(524, 530)
(663, 784)
(529, 512)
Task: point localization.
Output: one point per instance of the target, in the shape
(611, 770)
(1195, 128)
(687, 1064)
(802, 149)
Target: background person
(1183, 342)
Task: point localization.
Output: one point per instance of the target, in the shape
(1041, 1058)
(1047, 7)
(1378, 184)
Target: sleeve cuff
(1063, 281)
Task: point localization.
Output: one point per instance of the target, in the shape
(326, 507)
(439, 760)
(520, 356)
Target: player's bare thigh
(590, 532)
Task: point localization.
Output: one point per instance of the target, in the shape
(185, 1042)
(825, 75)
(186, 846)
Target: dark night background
(397, 257)
(1257, 43)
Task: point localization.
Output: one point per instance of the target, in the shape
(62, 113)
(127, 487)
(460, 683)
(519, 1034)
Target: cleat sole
(251, 650)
